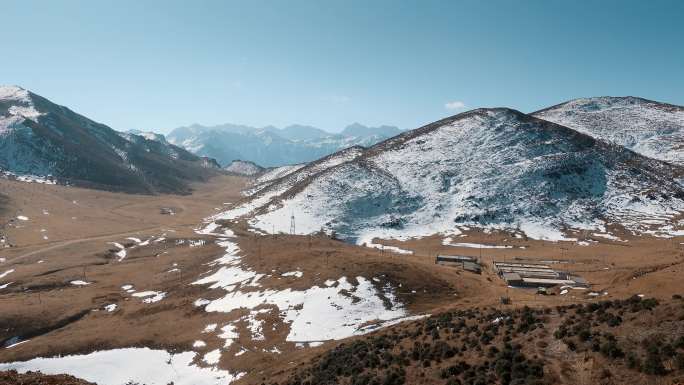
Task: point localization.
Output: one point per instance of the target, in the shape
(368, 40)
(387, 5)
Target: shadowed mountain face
(650, 128)
(271, 146)
(39, 137)
(487, 167)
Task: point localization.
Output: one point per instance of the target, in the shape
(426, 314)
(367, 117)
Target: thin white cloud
(454, 105)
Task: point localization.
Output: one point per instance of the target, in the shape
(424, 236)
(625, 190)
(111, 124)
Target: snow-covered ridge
(495, 168)
(246, 168)
(278, 172)
(296, 175)
(269, 188)
(13, 93)
(16, 105)
(650, 128)
(148, 135)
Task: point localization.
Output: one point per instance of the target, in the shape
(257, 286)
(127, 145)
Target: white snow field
(448, 241)
(336, 311)
(150, 296)
(137, 365)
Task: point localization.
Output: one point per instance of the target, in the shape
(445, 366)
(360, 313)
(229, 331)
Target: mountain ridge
(651, 128)
(493, 167)
(271, 146)
(39, 137)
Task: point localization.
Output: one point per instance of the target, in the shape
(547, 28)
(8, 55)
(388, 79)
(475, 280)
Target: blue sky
(156, 65)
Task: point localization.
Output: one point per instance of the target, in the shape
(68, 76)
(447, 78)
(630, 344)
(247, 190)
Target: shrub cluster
(462, 347)
(490, 346)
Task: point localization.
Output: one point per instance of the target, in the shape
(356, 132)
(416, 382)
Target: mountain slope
(274, 147)
(650, 128)
(300, 132)
(41, 138)
(240, 167)
(487, 167)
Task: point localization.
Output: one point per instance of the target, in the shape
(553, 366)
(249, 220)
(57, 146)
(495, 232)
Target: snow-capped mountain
(496, 168)
(359, 130)
(149, 135)
(38, 137)
(245, 168)
(271, 146)
(650, 128)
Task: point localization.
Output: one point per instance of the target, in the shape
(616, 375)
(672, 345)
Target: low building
(512, 279)
(455, 258)
(465, 262)
(472, 267)
(535, 275)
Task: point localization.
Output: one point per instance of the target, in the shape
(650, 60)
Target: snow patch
(121, 366)
(6, 273)
(297, 274)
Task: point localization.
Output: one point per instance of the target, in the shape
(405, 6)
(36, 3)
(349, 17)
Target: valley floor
(116, 278)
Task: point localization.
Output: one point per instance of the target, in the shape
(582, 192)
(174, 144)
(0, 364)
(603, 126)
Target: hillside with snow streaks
(650, 128)
(278, 172)
(495, 168)
(290, 179)
(277, 182)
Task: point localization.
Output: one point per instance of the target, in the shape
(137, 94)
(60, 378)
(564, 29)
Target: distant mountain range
(244, 168)
(271, 146)
(38, 137)
(492, 168)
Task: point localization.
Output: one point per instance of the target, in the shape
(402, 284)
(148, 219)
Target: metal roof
(548, 281)
(525, 265)
(511, 277)
(456, 258)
